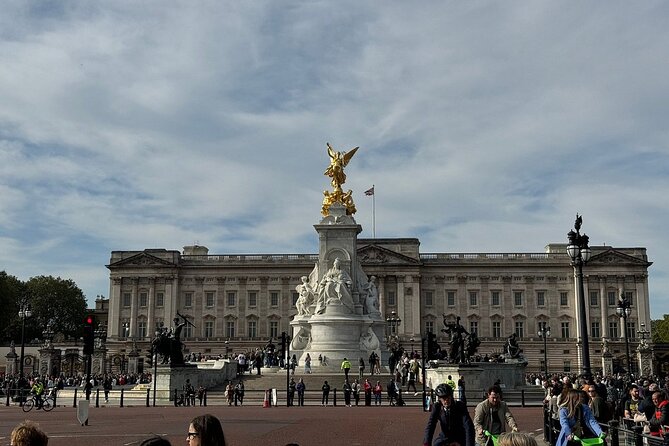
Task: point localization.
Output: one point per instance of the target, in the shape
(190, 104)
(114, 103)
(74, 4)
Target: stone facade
(246, 299)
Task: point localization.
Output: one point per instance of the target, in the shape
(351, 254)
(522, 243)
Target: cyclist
(38, 390)
(453, 417)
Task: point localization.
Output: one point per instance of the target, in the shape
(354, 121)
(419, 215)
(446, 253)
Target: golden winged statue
(338, 160)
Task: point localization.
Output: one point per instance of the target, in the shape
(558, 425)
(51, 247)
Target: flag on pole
(370, 191)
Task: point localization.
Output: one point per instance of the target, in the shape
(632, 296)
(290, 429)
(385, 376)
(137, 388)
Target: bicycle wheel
(47, 405)
(28, 405)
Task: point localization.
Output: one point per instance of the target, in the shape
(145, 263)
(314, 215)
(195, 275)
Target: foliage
(11, 290)
(59, 301)
(660, 330)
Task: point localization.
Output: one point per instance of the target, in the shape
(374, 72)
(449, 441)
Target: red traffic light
(89, 320)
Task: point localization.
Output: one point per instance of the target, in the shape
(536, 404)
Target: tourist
(576, 420)
(599, 408)
(356, 391)
(230, 393)
(347, 393)
(372, 362)
(391, 388)
(292, 387)
(461, 390)
(28, 433)
(378, 392)
(492, 415)
(300, 387)
(307, 364)
(205, 430)
(453, 418)
(200, 394)
(516, 439)
(239, 393)
(326, 394)
(632, 404)
(346, 367)
(361, 368)
(661, 416)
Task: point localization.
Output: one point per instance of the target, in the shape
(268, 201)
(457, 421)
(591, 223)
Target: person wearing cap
(492, 415)
(453, 418)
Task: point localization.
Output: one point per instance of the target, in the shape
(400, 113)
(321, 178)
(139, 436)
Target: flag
(370, 191)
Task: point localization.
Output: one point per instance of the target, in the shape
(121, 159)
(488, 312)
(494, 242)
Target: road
(246, 425)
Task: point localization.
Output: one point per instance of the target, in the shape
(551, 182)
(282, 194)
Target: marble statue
(369, 341)
(302, 339)
(372, 297)
(335, 289)
(305, 299)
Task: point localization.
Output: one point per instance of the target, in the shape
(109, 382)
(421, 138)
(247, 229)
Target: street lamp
(227, 348)
(24, 313)
(624, 309)
(393, 321)
(544, 332)
(579, 252)
(411, 340)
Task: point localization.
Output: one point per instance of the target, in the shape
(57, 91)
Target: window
(141, 329)
(428, 298)
(391, 298)
(230, 329)
(273, 329)
(232, 299)
(160, 299)
(494, 299)
(629, 295)
(209, 329)
(541, 298)
(209, 299)
(611, 298)
(542, 325)
(594, 329)
(296, 296)
(474, 327)
(429, 327)
(450, 298)
(188, 299)
(564, 327)
(143, 299)
(496, 329)
(567, 365)
(127, 297)
(274, 298)
(594, 299)
(187, 331)
(564, 298)
(520, 332)
(631, 330)
(253, 329)
(613, 330)
(253, 299)
(518, 298)
(473, 295)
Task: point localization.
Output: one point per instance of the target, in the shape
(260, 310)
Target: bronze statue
(168, 343)
(338, 160)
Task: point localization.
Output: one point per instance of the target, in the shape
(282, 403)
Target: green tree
(11, 290)
(660, 329)
(59, 301)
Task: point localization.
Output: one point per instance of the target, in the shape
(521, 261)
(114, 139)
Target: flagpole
(373, 212)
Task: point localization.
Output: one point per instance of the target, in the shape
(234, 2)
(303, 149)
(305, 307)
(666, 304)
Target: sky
(483, 126)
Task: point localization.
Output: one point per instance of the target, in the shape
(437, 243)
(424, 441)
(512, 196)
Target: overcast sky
(484, 126)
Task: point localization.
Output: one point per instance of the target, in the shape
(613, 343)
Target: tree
(11, 290)
(660, 330)
(59, 301)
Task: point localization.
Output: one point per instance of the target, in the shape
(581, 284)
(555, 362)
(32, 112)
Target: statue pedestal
(607, 364)
(478, 375)
(169, 378)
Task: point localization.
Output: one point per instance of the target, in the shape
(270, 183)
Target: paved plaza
(247, 425)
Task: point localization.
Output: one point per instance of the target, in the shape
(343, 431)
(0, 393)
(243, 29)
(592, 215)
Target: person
(356, 391)
(229, 393)
(28, 433)
(307, 364)
(346, 367)
(372, 362)
(239, 393)
(292, 387)
(516, 439)
(200, 394)
(599, 408)
(632, 403)
(453, 418)
(450, 382)
(293, 364)
(461, 390)
(378, 392)
(661, 416)
(189, 390)
(361, 368)
(38, 390)
(205, 430)
(392, 391)
(492, 415)
(576, 419)
(155, 441)
(347, 393)
(107, 386)
(300, 387)
(646, 405)
(326, 394)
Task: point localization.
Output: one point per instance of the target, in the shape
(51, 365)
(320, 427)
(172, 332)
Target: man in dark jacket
(453, 417)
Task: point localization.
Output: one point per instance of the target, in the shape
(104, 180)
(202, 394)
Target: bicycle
(494, 438)
(597, 441)
(47, 404)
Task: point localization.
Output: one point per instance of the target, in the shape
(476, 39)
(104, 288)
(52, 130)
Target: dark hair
(155, 441)
(210, 430)
(495, 388)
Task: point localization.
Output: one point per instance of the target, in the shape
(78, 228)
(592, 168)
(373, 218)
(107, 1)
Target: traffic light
(89, 334)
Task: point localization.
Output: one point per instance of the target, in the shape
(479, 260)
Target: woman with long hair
(205, 430)
(576, 419)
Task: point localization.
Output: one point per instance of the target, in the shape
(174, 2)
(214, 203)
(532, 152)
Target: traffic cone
(265, 402)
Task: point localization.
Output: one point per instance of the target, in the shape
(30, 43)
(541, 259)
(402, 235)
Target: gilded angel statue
(338, 160)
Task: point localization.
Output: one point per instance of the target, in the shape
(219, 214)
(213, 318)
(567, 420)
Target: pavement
(245, 425)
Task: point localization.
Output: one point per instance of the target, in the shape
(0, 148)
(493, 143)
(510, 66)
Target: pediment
(373, 254)
(142, 259)
(613, 257)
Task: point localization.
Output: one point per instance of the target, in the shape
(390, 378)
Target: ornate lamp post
(24, 313)
(579, 252)
(544, 332)
(227, 348)
(393, 321)
(623, 310)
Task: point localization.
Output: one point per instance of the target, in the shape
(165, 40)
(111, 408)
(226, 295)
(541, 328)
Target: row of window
(209, 299)
(564, 333)
(207, 331)
(519, 299)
